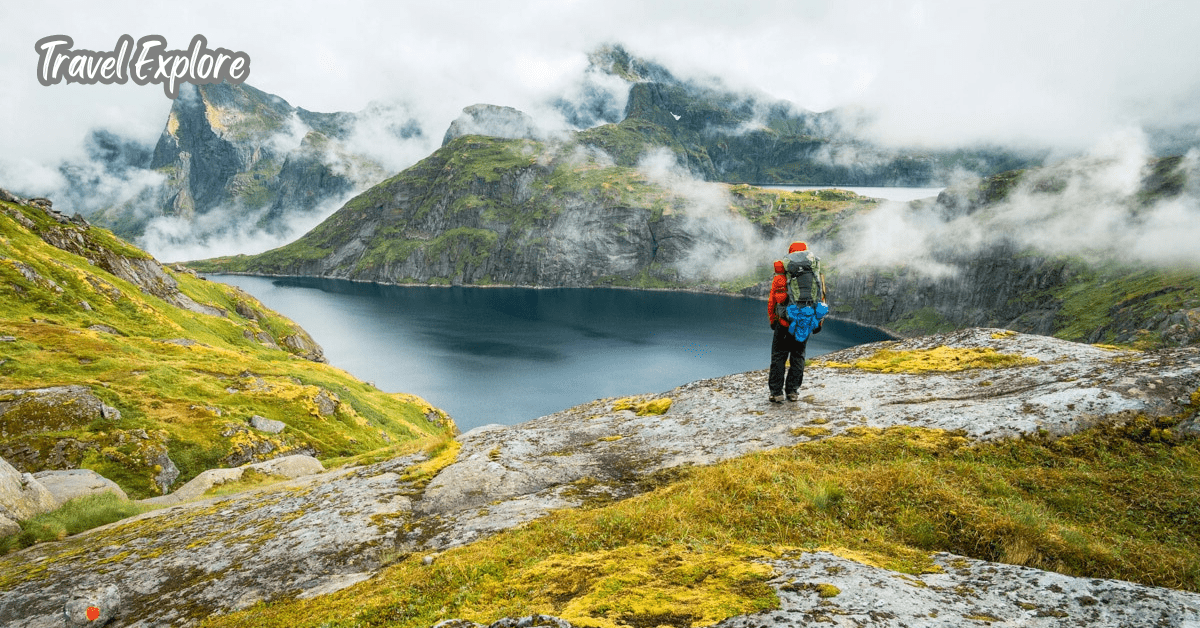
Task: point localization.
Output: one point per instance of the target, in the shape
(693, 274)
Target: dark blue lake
(507, 355)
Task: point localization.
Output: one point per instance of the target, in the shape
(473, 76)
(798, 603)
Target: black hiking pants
(785, 347)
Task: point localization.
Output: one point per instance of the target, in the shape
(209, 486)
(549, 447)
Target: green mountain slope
(184, 362)
(485, 210)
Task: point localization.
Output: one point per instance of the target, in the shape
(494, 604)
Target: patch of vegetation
(939, 359)
(73, 517)
(1076, 505)
(923, 321)
(643, 407)
(185, 383)
(1100, 304)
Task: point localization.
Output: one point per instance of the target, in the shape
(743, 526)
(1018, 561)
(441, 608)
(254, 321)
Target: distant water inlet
(507, 355)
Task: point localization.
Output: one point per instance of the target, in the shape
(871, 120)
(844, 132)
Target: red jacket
(779, 294)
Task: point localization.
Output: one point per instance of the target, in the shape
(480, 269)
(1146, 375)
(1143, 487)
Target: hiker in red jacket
(785, 348)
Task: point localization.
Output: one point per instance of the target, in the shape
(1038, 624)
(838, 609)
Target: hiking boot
(775, 398)
(793, 396)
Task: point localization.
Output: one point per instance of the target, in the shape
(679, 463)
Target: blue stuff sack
(805, 319)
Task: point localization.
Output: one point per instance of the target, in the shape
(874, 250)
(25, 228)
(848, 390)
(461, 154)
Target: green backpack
(803, 271)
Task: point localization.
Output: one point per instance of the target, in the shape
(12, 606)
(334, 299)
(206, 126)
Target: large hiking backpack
(803, 271)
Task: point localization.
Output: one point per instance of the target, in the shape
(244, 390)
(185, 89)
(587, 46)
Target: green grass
(1106, 503)
(185, 398)
(1113, 298)
(73, 517)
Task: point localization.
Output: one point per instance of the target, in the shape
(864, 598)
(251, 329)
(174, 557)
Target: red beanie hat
(797, 246)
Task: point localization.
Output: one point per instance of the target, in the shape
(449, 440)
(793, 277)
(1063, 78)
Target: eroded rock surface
(319, 534)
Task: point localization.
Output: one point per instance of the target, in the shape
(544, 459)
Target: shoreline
(833, 317)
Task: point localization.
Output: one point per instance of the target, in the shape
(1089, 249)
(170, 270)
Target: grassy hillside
(185, 383)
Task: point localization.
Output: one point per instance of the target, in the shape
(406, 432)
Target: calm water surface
(507, 355)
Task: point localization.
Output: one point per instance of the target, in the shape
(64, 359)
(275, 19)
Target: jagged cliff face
(247, 153)
(722, 135)
(220, 147)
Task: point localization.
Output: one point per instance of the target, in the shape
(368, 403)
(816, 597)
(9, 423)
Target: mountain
(484, 210)
(150, 375)
(737, 137)
(1093, 251)
(241, 157)
(487, 210)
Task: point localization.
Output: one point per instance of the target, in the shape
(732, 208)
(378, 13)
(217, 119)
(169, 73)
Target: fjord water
(507, 355)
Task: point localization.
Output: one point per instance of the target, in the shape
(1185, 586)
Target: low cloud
(227, 230)
(725, 245)
(1087, 207)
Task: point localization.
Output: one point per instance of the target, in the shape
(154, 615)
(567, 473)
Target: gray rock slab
(967, 593)
(318, 533)
(264, 424)
(72, 483)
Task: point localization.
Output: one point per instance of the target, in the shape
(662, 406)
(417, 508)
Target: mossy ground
(1115, 502)
(938, 359)
(185, 395)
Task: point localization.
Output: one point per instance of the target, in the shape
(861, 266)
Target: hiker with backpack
(796, 307)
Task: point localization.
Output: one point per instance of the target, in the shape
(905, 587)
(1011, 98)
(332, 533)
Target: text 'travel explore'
(146, 62)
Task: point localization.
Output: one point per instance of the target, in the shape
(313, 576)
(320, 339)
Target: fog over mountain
(1059, 80)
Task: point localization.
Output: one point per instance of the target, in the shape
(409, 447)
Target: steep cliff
(724, 135)
(249, 153)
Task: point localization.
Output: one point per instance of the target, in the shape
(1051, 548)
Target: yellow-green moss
(182, 393)
(643, 407)
(939, 359)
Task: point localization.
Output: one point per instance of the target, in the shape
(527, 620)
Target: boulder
(304, 346)
(287, 467)
(201, 484)
(21, 495)
(74, 483)
(266, 425)
(8, 526)
(92, 606)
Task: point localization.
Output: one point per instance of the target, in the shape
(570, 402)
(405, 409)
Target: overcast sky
(1065, 73)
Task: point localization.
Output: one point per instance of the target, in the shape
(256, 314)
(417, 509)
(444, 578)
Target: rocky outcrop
(325, 532)
(72, 483)
(284, 467)
(53, 409)
(817, 588)
(494, 121)
(21, 497)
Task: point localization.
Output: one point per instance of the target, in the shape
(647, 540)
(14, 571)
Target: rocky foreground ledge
(318, 534)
